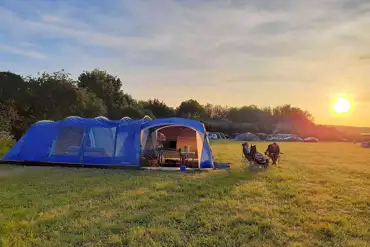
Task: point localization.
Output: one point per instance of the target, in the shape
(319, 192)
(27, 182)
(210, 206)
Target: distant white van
(212, 136)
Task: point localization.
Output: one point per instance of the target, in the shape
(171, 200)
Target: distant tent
(220, 135)
(234, 135)
(262, 136)
(101, 141)
(247, 137)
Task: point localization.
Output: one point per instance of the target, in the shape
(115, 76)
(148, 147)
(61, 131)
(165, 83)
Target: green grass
(318, 196)
(5, 145)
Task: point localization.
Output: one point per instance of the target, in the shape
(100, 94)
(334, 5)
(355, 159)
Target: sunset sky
(302, 52)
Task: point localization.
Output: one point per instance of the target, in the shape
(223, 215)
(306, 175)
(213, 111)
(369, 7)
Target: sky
(229, 52)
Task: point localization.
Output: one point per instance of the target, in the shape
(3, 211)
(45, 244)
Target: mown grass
(318, 196)
(5, 145)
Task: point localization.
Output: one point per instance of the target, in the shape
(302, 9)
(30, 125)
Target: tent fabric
(99, 141)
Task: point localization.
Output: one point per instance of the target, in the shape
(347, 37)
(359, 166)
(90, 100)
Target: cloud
(187, 34)
(52, 19)
(234, 45)
(22, 52)
(365, 57)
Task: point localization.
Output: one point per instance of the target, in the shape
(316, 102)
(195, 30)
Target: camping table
(184, 156)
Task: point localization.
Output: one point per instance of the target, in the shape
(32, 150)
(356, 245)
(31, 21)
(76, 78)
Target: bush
(6, 142)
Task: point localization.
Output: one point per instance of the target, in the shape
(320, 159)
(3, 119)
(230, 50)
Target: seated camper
(253, 156)
(161, 139)
(246, 150)
(273, 151)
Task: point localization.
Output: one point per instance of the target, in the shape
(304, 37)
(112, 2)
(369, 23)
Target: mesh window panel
(121, 138)
(69, 141)
(100, 142)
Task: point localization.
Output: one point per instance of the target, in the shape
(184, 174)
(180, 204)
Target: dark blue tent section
(98, 141)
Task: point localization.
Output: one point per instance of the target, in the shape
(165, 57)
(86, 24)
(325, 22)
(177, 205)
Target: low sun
(342, 105)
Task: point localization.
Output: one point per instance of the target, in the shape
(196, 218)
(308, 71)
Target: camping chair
(251, 157)
(248, 157)
(153, 157)
(251, 163)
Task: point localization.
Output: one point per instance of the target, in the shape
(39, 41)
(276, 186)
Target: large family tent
(100, 141)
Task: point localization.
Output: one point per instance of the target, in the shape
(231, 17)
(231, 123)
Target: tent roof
(196, 125)
(104, 122)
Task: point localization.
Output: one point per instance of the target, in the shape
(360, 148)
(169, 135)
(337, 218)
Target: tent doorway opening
(170, 146)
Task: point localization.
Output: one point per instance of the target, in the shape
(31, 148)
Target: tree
(216, 112)
(55, 96)
(16, 99)
(8, 116)
(299, 121)
(14, 88)
(11, 121)
(128, 100)
(107, 88)
(135, 113)
(292, 114)
(266, 120)
(245, 114)
(191, 109)
(146, 112)
(89, 104)
(159, 109)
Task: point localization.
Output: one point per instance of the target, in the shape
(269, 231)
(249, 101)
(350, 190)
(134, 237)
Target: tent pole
(83, 144)
(115, 142)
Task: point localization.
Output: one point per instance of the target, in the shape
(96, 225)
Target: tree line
(25, 100)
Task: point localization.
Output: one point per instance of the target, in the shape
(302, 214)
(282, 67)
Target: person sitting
(253, 150)
(273, 151)
(161, 138)
(246, 149)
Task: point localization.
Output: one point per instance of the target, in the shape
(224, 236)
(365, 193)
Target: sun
(342, 105)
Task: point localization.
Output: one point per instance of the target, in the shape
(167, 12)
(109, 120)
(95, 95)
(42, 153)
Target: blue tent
(100, 141)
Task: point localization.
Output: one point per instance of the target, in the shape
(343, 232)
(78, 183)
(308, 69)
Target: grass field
(5, 145)
(318, 196)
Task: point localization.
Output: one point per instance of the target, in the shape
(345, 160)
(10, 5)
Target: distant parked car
(365, 144)
(212, 136)
(293, 139)
(311, 139)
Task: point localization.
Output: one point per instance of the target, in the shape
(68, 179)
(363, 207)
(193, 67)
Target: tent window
(100, 142)
(69, 141)
(121, 138)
